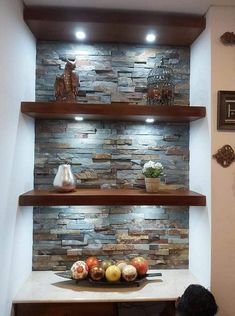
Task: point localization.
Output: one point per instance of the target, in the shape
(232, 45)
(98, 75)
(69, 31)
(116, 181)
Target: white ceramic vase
(152, 184)
(64, 180)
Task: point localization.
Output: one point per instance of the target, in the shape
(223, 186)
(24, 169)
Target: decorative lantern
(160, 85)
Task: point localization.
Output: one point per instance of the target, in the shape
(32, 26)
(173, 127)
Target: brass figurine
(66, 85)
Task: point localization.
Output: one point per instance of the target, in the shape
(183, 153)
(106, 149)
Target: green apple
(107, 263)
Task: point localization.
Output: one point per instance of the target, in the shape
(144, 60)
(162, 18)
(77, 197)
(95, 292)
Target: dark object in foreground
(196, 301)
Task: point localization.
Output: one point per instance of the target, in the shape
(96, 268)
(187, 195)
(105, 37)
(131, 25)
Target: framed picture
(226, 110)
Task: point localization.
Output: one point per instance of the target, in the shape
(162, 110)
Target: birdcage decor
(160, 87)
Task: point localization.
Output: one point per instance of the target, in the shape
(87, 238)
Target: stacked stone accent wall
(110, 73)
(110, 154)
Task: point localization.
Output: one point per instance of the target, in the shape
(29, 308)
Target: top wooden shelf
(113, 26)
(113, 111)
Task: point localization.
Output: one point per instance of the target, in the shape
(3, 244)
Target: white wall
(223, 179)
(212, 232)
(200, 159)
(17, 68)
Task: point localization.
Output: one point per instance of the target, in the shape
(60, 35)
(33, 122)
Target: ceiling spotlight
(149, 120)
(80, 35)
(78, 118)
(150, 37)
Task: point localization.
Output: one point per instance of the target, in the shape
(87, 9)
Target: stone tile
(110, 153)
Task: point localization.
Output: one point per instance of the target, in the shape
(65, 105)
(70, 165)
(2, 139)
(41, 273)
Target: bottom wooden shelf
(65, 309)
(50, 197)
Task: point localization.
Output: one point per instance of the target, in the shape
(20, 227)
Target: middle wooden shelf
(49, 197)
(113, 111)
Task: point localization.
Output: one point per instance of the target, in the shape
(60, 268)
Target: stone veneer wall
(110, 154)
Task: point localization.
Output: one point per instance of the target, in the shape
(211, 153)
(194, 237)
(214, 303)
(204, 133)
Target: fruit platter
(109, 273)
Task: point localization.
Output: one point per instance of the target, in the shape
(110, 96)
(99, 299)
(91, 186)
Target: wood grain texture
(116, 26)
(65, 309)
(113, 111)
(111, 197)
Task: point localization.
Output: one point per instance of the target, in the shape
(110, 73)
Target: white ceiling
(179, 6)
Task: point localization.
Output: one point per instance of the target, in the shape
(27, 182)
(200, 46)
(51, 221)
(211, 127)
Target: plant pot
(152, 184)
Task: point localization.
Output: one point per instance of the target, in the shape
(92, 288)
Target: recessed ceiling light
(149, 120)
(78, 118)
(150, 37)
(80, 35)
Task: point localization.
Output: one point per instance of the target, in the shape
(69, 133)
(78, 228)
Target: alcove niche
(110, 154)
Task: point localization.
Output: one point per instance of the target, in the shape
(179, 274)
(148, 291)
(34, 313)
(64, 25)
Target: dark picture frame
(226, 110)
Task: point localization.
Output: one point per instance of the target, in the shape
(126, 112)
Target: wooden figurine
(225, 156)
(66, 85)
(228, 38)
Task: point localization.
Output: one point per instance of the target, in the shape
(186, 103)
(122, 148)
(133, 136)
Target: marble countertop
(47, 287)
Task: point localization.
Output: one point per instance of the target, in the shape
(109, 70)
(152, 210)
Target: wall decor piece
(66, 85)
(64, 180)
(225, 156)
(226, 110)
(160, 86)
(228, 38)
(152, 172)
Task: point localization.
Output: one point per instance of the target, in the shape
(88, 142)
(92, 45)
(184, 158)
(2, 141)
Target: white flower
(149, 164)
(152, 169)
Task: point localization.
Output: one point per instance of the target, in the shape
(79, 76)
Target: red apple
(141, 265)
(92, 261)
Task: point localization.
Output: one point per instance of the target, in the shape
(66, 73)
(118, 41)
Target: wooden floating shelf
(112, 26)
(111, 197)
(113, 111)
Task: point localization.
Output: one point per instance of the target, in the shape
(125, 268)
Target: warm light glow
(80, 35)
(149, 120)
(78, 118)
(150, 37)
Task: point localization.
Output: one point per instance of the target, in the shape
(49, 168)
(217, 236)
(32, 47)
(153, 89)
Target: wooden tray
(105, 283)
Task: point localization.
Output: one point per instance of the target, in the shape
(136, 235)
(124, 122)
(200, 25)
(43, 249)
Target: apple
(113, 273)
(96, 273)
(92, 261)
(141, 265)
(79, 270)
(106, 263)
(129, 273)
(121, 264)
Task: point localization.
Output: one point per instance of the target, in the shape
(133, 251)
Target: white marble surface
(47, 287)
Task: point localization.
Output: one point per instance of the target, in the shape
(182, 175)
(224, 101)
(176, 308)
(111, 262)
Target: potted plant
(152, 172)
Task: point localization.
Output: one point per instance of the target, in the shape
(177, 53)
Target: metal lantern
(160, 86)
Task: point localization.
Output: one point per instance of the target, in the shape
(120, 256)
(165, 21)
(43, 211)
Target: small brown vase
(152, 184)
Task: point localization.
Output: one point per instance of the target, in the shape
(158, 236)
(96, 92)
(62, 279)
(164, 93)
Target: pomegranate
(92, 261)
(96, 273)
